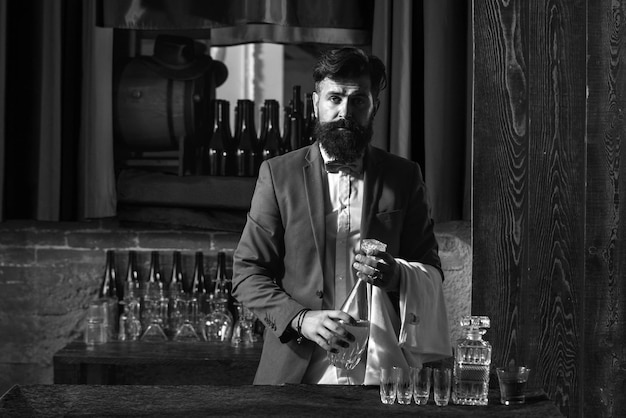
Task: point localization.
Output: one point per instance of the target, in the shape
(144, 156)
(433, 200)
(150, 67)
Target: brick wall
(49, 272)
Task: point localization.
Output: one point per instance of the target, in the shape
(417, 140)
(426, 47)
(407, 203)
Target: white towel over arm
(422, 333)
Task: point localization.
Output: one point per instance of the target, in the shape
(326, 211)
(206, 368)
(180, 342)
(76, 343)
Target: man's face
(345, 109)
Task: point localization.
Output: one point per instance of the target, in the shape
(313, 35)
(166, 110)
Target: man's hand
(378, 268)
(324, 329)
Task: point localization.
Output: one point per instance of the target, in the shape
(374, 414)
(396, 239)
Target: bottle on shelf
(154, 312)
(285, 145)
(200, 294)
(175, 294)
(309, 119)
(270, 140)
(246, 140)
(218, 324)
(108, 296)
(130, 312)
(296, 120)
(218, 152)
(472, 361)
(187, 311)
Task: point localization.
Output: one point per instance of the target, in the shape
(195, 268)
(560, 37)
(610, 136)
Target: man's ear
(316, 101)
(376, 106)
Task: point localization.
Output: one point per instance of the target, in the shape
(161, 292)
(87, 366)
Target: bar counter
(196, 401)
(168, 363)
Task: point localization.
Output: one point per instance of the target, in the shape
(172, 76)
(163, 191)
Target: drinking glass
(421, 384)
(186, 308)
(129, 323)
(388, 385)
(404, 385)
(512, 382)
(441, 386)
(96, 330)
(155, 313)
(242, 331)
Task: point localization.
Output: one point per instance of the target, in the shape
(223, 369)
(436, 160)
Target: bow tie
(355, 168)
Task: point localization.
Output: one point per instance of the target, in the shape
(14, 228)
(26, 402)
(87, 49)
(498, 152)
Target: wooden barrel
(153, 113)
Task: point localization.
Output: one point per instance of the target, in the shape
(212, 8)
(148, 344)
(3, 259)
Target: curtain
(32, 163)
(58, 144)
(97, 191)
(3, 37)
(423, 112)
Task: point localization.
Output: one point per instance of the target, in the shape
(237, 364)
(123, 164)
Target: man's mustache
(341, 123)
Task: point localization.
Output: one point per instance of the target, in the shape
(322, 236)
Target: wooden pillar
(548, 252)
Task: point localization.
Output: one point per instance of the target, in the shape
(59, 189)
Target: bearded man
(299, 254)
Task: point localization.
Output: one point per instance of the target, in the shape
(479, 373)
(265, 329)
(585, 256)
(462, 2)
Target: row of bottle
(160, 310)
(241, 154)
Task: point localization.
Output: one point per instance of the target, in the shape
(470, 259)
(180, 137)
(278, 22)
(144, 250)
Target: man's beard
(347, 144)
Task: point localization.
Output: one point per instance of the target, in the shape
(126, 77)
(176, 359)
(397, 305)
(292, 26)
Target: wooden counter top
(192, 401)
(168, 363)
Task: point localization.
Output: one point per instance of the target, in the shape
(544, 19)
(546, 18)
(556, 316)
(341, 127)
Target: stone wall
(50, 271)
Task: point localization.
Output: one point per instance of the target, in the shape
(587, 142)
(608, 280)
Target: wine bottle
(131, 284)
(176, 305)
(295, 132)
(176, 277)
(270, 141)
(221, 277)
(285, 145)
(218, 324)
(154, 284)
(309, 119)
(296, 118)
(108, 296)
(246, 139)
(130, 307)
(219, 150)
(198, 286)
(155, 303)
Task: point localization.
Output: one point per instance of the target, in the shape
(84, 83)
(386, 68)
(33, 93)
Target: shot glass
(512, 382)
(388, 385)
(404, 385)
(421, 384)
(441, 386)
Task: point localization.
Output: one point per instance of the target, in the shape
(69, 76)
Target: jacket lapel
(372, 183)
(313, 183)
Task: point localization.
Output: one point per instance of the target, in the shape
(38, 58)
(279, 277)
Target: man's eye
(335, 99)
(358, 101)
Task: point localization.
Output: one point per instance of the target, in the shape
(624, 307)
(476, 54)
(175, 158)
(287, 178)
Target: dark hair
(350, 62)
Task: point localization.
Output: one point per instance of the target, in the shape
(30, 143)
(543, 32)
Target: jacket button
(319, 294)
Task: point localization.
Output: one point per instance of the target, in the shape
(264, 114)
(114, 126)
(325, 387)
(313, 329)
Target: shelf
(136, 187)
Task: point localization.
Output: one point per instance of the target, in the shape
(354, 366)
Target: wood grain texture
(529, 144)
(554, 286)
(258, 401)
(500, 172)
(171, 363)
(605, 252)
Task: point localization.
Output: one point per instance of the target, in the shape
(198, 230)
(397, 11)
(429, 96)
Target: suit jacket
(278, 263)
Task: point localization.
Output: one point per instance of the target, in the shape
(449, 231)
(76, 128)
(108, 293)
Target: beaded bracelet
(299, 322)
